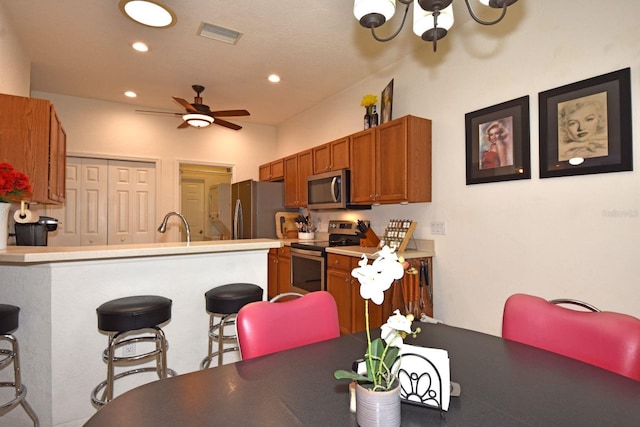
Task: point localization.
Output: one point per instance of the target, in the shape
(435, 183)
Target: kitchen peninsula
(59, 288)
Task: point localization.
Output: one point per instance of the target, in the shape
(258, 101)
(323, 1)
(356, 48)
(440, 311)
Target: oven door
(307, 270)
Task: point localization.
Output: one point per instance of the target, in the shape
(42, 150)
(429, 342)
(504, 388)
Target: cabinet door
(363, 175)
(340, 154)
(291, 181)
(264, 172)
(305, 169)
(284, 270)
(272, 272)
(391, 152)
(24, 140)
(322, 158)
(339, 286)
(57, 157)
(277, 170)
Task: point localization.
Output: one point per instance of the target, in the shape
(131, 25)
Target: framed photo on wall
(497, 142)
(386, 101)
(585, 127)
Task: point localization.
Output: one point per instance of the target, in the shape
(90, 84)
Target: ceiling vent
(221, 34)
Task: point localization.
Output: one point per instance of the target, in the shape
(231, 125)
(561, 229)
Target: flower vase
(4, 224)
(378, 408)
(367, 117)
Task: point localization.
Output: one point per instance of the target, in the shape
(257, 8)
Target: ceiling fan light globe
(198, 120)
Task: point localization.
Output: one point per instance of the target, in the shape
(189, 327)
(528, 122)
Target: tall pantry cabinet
(33, 141)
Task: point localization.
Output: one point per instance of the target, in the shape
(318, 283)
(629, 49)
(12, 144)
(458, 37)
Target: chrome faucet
(163, 226)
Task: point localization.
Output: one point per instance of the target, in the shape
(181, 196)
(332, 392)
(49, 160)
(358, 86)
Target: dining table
(502, 383)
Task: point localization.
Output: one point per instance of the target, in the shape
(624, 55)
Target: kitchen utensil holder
(370, 239)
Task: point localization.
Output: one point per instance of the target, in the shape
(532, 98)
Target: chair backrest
(605, 339)
(268, 327)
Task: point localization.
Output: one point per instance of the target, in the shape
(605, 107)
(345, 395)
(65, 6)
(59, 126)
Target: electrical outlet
(438, 227)
(129, 350)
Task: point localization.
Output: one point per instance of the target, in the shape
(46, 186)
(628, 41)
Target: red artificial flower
(13, 184)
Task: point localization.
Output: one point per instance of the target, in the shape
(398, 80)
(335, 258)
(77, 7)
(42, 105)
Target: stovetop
(342, 233)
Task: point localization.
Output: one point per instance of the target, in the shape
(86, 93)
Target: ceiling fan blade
(169, 113)
(230, 113)
(226, 124)
(183, 125)
(185, 104)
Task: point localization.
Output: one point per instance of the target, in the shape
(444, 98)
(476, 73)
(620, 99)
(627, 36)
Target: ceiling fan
(199, 114)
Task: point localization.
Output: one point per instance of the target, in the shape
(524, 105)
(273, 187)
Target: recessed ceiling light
(130, 94)
(140, 47)
(148, 12)
(274, 78)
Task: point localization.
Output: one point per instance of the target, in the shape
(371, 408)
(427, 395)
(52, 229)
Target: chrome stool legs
(7, 357)
(118, 340)
(216, 334)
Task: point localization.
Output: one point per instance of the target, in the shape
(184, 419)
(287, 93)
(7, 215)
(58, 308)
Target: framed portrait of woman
(585, 127)
(497, 142)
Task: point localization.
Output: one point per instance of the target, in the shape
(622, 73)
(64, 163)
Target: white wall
(550, 237)
(115, 130)
(16, 70)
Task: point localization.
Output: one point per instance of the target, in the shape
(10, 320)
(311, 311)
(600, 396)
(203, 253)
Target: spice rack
(398, 233)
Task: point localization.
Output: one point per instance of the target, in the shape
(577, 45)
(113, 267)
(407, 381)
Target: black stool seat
(228, 299)
(8, 318)
(132, 313)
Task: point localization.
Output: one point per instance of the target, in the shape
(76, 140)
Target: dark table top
(503, 384)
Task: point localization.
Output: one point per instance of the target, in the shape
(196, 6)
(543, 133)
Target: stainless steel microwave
(330, 190)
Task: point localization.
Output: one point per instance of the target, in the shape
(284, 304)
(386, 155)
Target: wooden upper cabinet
(296, 170)
(363, 173)
(272, 171)
(391, 163)
(331, 156)
(33, 141)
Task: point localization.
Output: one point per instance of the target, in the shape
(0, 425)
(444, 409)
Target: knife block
(370, 240)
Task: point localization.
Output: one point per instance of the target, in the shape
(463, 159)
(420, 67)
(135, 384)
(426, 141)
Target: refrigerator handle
(237, 221)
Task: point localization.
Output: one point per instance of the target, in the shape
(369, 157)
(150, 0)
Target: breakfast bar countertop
(42, 254)
(425, 249)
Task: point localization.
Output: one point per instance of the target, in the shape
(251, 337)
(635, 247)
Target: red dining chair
(267, 327)
(605, 339)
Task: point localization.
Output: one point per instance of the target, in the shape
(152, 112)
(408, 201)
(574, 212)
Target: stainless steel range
(308, 259)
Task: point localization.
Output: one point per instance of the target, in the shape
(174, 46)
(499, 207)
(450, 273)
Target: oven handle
(306, 253)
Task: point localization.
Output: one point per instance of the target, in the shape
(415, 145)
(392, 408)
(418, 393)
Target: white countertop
(42, 254)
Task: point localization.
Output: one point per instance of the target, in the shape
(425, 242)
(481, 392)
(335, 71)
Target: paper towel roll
(27, 217)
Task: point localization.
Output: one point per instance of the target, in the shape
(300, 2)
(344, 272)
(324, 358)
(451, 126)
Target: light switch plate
(438, 227)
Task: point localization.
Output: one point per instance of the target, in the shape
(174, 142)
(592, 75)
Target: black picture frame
(386, 102)
(507, 156)
(585, 127)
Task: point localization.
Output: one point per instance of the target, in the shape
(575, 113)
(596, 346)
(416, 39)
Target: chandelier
(432, 19)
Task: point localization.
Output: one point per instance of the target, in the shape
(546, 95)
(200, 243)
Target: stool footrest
(101, 402)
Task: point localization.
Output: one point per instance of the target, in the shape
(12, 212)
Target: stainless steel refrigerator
(254, 205)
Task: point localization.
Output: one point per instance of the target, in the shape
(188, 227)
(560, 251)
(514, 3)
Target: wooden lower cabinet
(351, 306)
(279, 271)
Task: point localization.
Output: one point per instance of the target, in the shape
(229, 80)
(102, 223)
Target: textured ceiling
(82, 48)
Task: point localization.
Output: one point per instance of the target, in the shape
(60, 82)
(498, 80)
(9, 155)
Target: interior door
(192, 205)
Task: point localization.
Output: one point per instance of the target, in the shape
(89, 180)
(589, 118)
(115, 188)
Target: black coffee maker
(35, 233)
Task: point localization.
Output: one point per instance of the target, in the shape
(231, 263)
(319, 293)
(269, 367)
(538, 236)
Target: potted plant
(378, 390)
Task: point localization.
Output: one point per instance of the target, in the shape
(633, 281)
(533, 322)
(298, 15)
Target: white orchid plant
(382, 353)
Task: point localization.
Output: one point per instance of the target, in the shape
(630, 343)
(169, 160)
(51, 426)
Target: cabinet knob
(122, 239)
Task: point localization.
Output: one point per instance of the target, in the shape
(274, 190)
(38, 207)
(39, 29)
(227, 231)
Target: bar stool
(224, 302)
(138, 316)
(8, 324)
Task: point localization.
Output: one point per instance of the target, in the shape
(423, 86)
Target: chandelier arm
(480, 21)
(392, 36)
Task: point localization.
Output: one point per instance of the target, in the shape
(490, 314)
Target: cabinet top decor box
(33, 140)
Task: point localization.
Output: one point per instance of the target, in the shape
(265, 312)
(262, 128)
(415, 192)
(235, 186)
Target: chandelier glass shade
(432, 19)
(198, 120)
